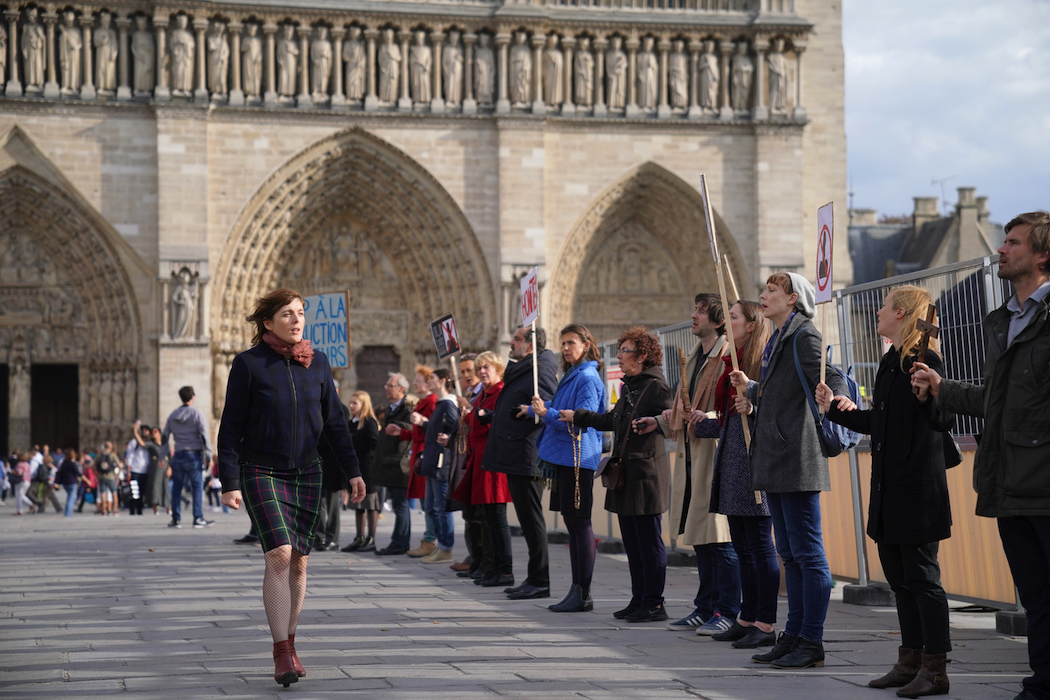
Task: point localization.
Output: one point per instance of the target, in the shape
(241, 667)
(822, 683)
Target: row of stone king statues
(388, 68)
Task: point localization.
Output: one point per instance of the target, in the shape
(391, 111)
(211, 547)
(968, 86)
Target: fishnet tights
(284, 586)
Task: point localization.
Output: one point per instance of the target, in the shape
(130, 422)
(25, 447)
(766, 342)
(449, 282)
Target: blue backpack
(834, 438)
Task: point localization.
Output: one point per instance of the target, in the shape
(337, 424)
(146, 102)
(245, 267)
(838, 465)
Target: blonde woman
(364, 430)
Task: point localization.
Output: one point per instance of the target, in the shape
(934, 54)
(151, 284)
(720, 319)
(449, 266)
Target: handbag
(610, 468)
(952, 452)
(406, 461)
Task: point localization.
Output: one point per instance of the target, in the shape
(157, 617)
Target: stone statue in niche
(106, 394)
(33, 42)
(117, 397)
(130, 394)
(648, 68)
(182, 46)
(70, 45)
(218, 59)
(144, 51)
(583, 73)
(183, 304)
(484, 71)
(743, 72)
(678, 75)
(419, 65)
(287, 61)
(452, 69)
(106, 49)
(708, 82)
(389, 67)
(251, 62)
(520, 70)
(616, 74)
(778, 76)
(3, 55)
(355, 59)
(320, 64)
(553, 72)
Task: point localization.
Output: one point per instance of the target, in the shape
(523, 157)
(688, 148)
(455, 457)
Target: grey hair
(401, 381)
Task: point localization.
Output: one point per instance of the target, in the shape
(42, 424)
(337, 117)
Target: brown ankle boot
(907, 667)
(283, 668)
(932, 678)
(299, 670)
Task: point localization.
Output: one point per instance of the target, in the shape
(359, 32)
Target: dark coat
(365, 434)
(333, 479)
(731, 492)
(511, 447)
(276, 411)
(1010, 472)
(436, 460)
(646, 471)
(786, 454)
(909, 491)
(385, 469)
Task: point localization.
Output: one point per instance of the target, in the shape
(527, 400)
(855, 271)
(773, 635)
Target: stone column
(600, 45)
(87, 89)
(568, 43)
(51, 89)
(663, 110)
(437, 102)
(14, 87)
(161, 91)
(371, 99)
(236, 97)
(20, 388)
(725, 48)
(303, 100)
(502, 102)
(470, 105)
(695, 111)
(404, 102)
(200, 94)
(538, 105)
(338, 98)
(799, 113)
(632, 78)
(123, 88)
(760, 111)
(270, 96)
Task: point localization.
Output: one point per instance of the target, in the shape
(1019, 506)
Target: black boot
(579, 600)
(806, 654)
(783, 647)
(565, 600)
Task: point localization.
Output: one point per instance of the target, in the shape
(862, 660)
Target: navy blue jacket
(511, 447)
(276, 411)
(444, 419)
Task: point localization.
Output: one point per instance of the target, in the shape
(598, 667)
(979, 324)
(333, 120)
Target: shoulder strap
(634, 412)
(802, 380)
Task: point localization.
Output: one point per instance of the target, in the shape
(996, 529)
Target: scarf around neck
(301, 352)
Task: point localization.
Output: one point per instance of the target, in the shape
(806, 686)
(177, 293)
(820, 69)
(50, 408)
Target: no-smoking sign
(825, 248)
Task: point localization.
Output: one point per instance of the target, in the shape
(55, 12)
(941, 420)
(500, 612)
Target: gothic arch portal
(637, 255)
(353, 212)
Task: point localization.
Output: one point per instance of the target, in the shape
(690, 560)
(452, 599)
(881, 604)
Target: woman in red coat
(417, 485)
(480, 487)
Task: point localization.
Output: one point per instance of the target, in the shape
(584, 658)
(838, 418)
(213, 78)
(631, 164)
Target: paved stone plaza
(106, 608)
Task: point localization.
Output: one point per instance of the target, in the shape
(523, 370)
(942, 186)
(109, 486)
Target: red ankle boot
(284, 670)
(299, 670)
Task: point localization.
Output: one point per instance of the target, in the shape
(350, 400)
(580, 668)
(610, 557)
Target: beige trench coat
(701, 526)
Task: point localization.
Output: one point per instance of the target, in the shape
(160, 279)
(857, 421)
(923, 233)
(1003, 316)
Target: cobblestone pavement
(98, 608)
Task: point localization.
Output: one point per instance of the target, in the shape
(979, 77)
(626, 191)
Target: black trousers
(478, 537)
(922, 607)
(499, 536)
(328, 517)
(646, 557)
(528, 505)
(1026, 541)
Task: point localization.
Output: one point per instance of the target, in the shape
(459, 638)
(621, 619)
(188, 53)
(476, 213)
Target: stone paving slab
(95, 607)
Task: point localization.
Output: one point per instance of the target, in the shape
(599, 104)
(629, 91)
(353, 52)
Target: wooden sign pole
(455, 373)
(535, 370)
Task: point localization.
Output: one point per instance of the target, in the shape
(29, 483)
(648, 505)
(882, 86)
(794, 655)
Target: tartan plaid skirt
(283, 504)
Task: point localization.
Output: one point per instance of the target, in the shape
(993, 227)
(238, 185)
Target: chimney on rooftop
(925, 211)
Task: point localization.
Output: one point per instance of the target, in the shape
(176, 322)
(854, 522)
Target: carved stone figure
(583, 73)
(484, 71)
(183, 304)
(182, 47)
(616, 74)
(3, 55)
(33, 42)
(389, 67)
(287, 61)
(320, 64)
(708, 70)
(778, 76)
(106, 395)
(356, 64)
(218, 59)
(251, 62)
(143, 50)
(648, 68)
(70, 45)
(106, 49)
(743, 72)
(419, 64)
(452, 69)
(678, 75)
(520, 70)
(553, 73)
(130, 394)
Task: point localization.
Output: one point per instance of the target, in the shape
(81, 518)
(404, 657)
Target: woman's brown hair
(267, 307)
(646, 345)
(751, 351)
(592, 347)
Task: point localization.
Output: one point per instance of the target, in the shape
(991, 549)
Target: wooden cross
(928, 330)
(682, 384)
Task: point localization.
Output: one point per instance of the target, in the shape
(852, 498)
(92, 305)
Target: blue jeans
(719, 571)
(759, 571)
(796, 523)
(434, 505)
(402, 518)
(71, 498)
(186, 466)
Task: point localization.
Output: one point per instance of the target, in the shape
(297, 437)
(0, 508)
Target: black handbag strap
(634, 412)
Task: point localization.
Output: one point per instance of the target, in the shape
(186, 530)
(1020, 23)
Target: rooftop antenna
(941, 181)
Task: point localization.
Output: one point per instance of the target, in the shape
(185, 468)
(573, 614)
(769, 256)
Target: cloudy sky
(955, 89)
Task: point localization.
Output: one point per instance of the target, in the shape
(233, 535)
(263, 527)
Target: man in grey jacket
(1011, 472)
(192, 450)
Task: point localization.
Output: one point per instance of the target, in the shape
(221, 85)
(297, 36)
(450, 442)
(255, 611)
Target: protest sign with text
(328, 326)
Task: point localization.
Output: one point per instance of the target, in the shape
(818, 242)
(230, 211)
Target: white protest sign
(328, 326)
(530, 297)
(825, 248)
(446, 338)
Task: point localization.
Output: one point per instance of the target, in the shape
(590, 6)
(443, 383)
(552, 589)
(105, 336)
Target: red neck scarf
(724, 394)
(301, 352)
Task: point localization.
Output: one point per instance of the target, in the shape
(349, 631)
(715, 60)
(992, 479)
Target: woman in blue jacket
(574, 454)
(280, 399)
